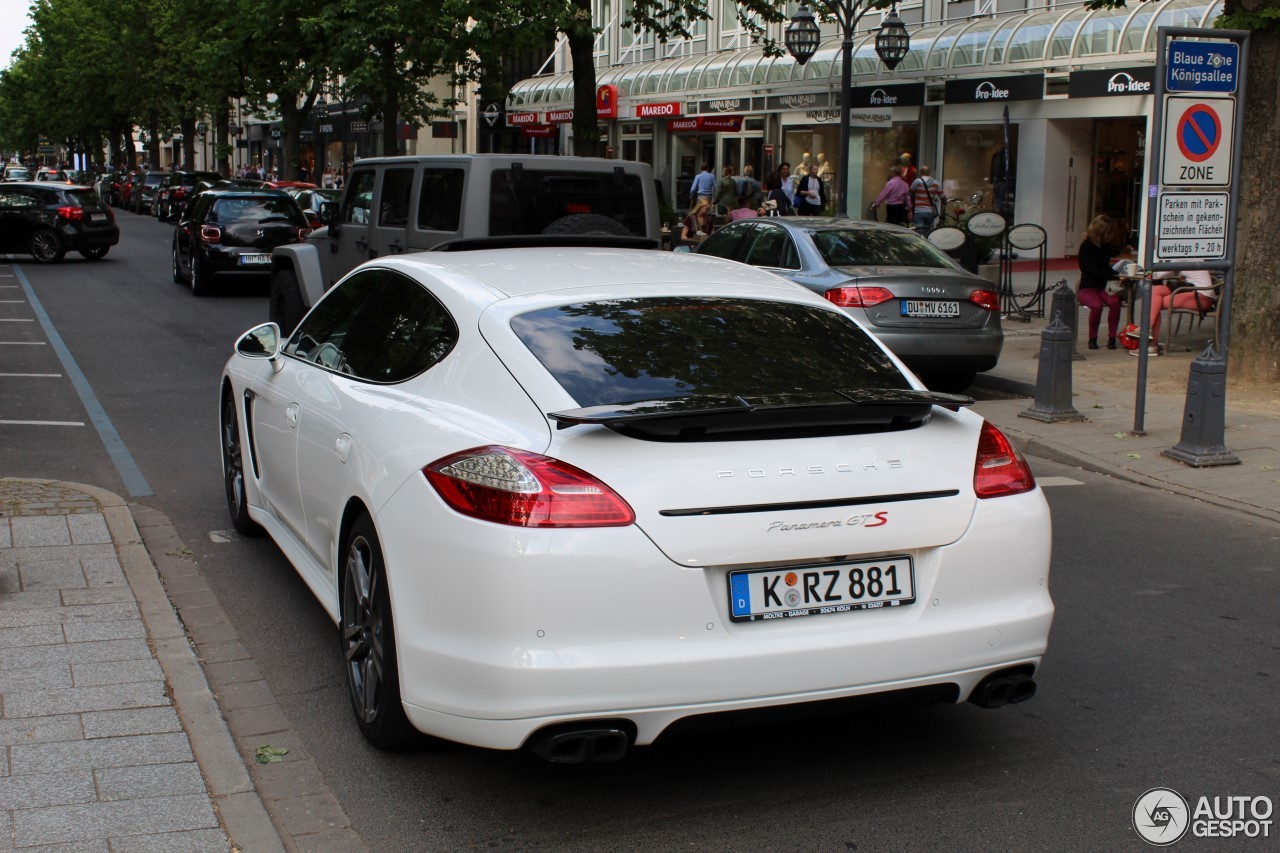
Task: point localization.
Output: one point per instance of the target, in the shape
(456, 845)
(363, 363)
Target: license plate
(97, 217)
(814, 590)
(929, 308)
(248, 260)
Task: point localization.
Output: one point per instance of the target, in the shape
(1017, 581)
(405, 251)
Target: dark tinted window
(724, 242)
(190, 179)
(84, 198)
(230, 209)
(859, 246)
(377, 325)
(629, 350)
(771, 246)
(440, 202)
(17, 197)
(357, 202)
(527, 201)
(393, 209)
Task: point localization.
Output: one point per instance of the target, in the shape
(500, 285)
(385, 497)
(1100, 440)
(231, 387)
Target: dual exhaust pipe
(594, 742)
(1007, 687)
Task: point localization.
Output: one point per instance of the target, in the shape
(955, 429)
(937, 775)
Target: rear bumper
(567, 627)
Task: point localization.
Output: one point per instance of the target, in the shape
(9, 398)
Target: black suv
(232, 232)
(175, 191)
(144, 191)
(46, 220)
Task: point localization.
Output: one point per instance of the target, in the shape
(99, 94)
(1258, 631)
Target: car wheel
(368, 642)
(177, 271)
(199, 276)
(285, 308)
(97, 253)
(233, 471)
(588, 223)
(956, 382)
(47, 246)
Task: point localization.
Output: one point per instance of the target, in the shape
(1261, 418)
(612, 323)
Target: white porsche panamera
(562, 498)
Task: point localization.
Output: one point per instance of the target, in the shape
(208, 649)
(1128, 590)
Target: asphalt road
(1163, 667)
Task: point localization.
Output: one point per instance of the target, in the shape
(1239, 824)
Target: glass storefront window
(881, 149)
(812, 144)
(973, 163)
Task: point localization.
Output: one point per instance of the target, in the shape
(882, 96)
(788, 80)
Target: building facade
(1075, 85)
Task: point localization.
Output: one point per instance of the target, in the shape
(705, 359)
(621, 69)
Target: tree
(1255, 307)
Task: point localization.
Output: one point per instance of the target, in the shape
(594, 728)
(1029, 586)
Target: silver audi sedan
(942, 321)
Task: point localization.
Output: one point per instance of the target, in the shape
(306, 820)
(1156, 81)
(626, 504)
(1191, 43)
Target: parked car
(127, 184)
(392, 205)
(46, 220)
(562, 498)
(14, 172)
(144, 191)
(311, 201)
(176, 189)
(232, 232)
(51, 174)
(941, 320)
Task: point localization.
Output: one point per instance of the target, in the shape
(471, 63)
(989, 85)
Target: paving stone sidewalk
(94, 754)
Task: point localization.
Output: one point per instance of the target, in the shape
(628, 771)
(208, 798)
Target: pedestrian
(749, 186)
(896, 198)
(908, 171)
(784, 181)
(926, 201)
(1201, 299)
(744, 209)
(1096, 251)
(704, 186)
(811, 196)
(698, 222)
(777, 201)
(726, 197)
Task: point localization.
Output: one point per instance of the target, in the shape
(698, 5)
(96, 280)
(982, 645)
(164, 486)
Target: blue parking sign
(1202, 66)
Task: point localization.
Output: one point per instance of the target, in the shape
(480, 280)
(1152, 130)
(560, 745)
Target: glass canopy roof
(995, 44)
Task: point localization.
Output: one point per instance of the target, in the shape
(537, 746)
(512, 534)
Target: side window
(393, 205)
(771, 246)
(377, 325)
(724, 243)
(440, 202)
(357, 204)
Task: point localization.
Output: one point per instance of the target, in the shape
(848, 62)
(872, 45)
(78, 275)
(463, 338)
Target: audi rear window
(632, 350)
(531, 201)
(872, 246)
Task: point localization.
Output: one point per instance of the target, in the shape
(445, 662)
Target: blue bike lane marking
(111, 440)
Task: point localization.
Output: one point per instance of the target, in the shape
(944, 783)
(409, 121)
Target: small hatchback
(232, 232)
(47, 220)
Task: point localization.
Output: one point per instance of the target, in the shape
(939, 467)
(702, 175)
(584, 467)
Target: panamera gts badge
(873, 519)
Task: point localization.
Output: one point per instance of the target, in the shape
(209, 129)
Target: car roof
(527, 271)
(236, 192)
(48, 185)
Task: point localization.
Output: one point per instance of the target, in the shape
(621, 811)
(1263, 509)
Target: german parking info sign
(1197, 144)
(1192, 225)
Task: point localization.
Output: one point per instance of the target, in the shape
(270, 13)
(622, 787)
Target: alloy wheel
(363, 625)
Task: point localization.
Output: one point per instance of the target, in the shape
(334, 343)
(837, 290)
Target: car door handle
(291, 415)
(342, 446)
(362, 244)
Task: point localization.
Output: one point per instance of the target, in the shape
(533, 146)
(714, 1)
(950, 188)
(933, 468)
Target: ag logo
(1161, 816)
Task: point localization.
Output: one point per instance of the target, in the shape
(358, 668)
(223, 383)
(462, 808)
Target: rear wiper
(898, 396)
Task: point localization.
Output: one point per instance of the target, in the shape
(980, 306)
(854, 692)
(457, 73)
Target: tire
(233, 471)
(199, 277)
(588, 223)
(367, 639)
(177, 271)
(97, 253)
(955, 382)
(285, 307)
(47, 246)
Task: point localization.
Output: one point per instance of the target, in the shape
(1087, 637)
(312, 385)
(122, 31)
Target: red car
(126, 187)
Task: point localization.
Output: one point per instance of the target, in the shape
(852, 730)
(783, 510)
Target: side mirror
(329, 213)
(260, 342)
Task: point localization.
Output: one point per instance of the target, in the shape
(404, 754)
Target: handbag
(1114, 287)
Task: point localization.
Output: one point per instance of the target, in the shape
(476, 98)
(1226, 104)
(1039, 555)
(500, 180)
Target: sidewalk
(110, 738)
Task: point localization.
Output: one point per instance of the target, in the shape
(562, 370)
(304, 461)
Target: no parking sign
(1197, 141)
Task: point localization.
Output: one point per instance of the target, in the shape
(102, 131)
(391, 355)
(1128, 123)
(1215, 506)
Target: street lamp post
(201, 127)
(322, 116)
(892, 44)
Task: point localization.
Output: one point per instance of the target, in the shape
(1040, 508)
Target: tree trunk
(188, 126)
(1255, 299)
(390, 101)
(291, 119)
(586, 129)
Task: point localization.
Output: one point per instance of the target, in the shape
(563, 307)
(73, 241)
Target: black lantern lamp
(201, 127)
(322, 107)
(892, 40)
(802, 35)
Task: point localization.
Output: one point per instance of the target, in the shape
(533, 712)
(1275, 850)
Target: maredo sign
(662, 110)
(522, 119)
(559, 116)
(607, 102)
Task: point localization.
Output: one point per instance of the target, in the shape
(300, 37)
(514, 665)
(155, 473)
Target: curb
(240, 808)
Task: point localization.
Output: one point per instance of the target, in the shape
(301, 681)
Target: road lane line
(42, 423)
(21, 343)
(7, 320)
(120, 456)
(32, 375)
(1057, 481)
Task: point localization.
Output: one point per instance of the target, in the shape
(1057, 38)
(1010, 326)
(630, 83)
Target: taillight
(303, 232)
(523, 489)
(71, 214)
(988, 299)
(210, 233)
(178, 192)
(999, 469)
(858, 297)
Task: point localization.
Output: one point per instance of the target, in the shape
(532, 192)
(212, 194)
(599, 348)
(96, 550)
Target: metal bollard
(1204, 419)
(1067, 307)
(1053, 377)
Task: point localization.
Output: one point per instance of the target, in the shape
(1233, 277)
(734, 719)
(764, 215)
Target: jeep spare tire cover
(588, 223)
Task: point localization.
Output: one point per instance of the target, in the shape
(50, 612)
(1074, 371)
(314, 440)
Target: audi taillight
(71, 214)
(999, 469)
(988, 299)
(854, 296)
(523, 489)
(210, 233)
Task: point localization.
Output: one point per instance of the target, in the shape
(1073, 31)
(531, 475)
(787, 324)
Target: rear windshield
(18, 174)
(155, 178)
(631, 350)
(85, 198)
(256, 209)
(190, 179)
(869, 246)
(530, 201)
